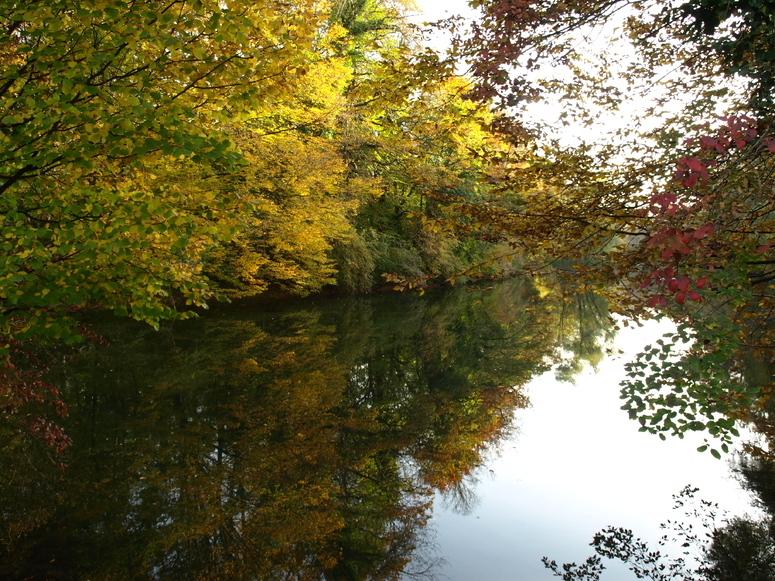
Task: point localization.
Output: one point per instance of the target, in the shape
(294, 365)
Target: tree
(92, 97)
(292, 213)
(379, 151)
(428, 149)
(667, 213)
(99, 100)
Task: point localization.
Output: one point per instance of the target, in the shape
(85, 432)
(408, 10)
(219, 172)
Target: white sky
(438, 9)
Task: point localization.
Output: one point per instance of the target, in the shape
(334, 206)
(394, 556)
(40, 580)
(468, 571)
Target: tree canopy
(156, 155)
(658, 191)
(94, 98)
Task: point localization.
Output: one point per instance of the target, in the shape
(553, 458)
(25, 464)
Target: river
(462, 434)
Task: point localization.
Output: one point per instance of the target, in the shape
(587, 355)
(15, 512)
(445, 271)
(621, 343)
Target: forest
(159, 156)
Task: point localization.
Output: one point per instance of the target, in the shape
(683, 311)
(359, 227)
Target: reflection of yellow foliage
(544, 290)
(250, 365)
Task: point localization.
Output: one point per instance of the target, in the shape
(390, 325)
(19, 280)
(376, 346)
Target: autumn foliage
(157, 156)
(669, 211)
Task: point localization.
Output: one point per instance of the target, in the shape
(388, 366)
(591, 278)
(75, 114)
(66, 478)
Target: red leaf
(694, 164)
(707, 142)
(701, 282)
(680, 298)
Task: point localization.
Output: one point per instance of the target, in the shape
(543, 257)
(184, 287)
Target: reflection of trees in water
(586, 329)
(744, 548)
(297, 443)
(583, 325)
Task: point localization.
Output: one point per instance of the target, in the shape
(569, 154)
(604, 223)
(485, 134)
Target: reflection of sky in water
(576, 465)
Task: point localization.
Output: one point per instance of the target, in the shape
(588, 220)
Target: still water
(343, 438)
(575, 465)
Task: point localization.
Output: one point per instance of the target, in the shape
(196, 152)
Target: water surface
(312, 439)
